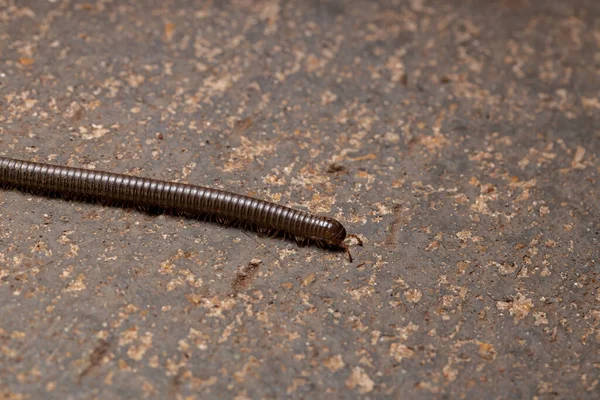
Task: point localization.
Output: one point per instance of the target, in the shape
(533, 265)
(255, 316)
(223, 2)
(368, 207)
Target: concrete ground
(460, 140)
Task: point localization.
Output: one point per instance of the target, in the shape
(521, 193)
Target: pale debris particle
(296, 382)
(375, 335)
(226, 333)
(481, 205)
(270, 12)
(187, 170)
(579, 154)
(413, 295)
(524, 163)
(248, 368)
(108, 381)
(450, 373)
(215, 84)
(273, 179)
(328, 97)
(314, 63)
(540, 318)
(26, 61)
(73, 250)
(391, 137)
(383, 209)
(519, 308)
(200, 339)
(255, 262)
(359, 379)
(169, 31)
(74, 110)
(578, 158)
(242, 395)
(334, 363)
(153, 361)
(434, 245)
(172, 367)
(135, 80)
(129, 335)
(544, 210)
(448, 301)
(103, 335)
(18, 335)
(166, 267)
(429, 386)
(130, 308)
(174, 283)
(136, 352)
(487, 351)
(311, 278)
(400, 351)
(395, 66)
(183, 346)
(590, 386)
(319, 203)
(401, 283)
(464, 235)
(462, 266)
(461, 198)
(214, 305)
(148, 389)
(523, 273)
(406, 331)
(41, 247)
(66, 272)
(362, 291)
(98, 131)
(544, 387)
(77, 284)
(190, 278)
(198, 383)
(590, 102)
(8, 352)
(595, 314)
(434, 144)
(504, 268)
(246, 153)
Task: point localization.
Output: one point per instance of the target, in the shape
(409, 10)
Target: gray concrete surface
(458, 139)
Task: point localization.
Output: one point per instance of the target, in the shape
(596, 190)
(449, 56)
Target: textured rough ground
(459, 139)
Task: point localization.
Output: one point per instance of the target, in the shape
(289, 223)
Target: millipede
(135, 191)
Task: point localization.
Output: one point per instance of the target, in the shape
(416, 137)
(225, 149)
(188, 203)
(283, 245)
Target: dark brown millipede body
(171, 195)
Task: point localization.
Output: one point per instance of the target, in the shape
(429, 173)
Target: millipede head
(335, 234)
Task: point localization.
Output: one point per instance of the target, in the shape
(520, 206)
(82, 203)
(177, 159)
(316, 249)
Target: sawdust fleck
(334, 363)
(359, 379)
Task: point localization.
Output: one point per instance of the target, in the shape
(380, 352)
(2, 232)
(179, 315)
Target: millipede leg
(301, 241)
(347, 251)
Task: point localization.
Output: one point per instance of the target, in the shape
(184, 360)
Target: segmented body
(170, 195)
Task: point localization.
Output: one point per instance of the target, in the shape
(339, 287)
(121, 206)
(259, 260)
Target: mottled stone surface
(459, 139)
